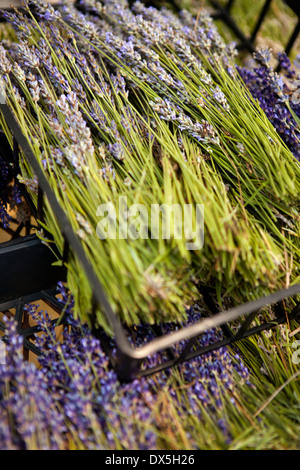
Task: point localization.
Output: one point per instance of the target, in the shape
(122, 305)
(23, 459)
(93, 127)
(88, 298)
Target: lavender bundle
(5, 180)
(144, 106)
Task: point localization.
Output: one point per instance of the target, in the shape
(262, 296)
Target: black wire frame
(128, 360)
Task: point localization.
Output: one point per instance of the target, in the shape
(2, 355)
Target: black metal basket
(37, 278)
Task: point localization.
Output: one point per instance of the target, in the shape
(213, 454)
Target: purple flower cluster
(133, 36)
(274, 93)
(75, 393)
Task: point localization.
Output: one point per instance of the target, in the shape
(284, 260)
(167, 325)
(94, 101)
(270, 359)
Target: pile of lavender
(5, 180)
(141, 105)
(73, 399)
